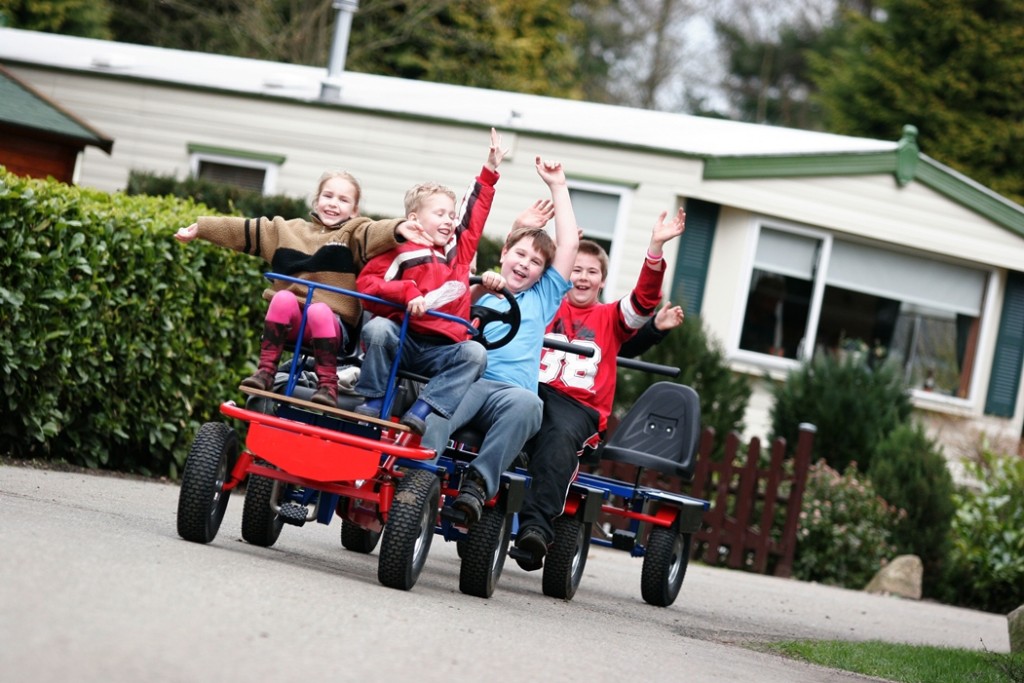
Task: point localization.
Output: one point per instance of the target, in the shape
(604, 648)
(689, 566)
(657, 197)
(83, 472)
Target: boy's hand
(550, 172)
(668, 317)
(413, 232)
(493, 282)
(536, 216)
(663, 232)
(495, 154)
(417, 306)
(187, 234)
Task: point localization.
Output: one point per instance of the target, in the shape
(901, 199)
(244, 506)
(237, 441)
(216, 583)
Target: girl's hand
(187, 234)
(551, 172)
(417, 306)
(414, 232)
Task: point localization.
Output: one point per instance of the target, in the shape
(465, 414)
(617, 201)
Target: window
(601, 211)
(247, 170)
(811, 293)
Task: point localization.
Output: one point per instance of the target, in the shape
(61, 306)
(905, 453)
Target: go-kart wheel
(261, 525)
(484, 551)
(409, 530)
(202, 499)
(563, 566)
(665, 562)
(482, 316)
(357, 538)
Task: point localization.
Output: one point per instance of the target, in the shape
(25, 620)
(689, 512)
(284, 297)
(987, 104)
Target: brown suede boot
(271, 346)
(325, 356)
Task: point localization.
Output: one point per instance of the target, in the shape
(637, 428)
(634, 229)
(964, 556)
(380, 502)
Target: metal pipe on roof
(330, 87)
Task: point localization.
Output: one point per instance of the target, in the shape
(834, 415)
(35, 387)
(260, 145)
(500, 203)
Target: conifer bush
(853, 405)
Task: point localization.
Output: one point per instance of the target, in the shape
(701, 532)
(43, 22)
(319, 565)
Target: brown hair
(542, 241)
(329, 175)
(597, 251)
(416, 195)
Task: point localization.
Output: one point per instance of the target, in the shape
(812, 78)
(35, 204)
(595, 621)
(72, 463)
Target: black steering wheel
(482, 316)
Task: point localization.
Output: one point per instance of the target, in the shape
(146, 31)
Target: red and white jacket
(412, 270)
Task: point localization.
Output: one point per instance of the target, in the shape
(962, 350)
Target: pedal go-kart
(661, 432)
(303, 462)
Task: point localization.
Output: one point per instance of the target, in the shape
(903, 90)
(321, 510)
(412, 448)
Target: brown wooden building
(38, 138)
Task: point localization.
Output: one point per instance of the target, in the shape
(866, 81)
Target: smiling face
(522, 264)
(337, 200)
(436, 213)
(587, 280)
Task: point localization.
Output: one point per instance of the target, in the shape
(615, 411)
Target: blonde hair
(542, 242)
(416, 195)
(330, 175)
(597, 251)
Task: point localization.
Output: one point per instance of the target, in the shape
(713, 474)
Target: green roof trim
(906, 164)
(23, 107)
(196, 148)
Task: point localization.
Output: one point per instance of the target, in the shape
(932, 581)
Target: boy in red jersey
(578, 392)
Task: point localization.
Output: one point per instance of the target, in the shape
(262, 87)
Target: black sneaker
(531, 540)
(472, 497)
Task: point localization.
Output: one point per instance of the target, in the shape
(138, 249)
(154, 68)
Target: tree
(87, 18)
(953, 68)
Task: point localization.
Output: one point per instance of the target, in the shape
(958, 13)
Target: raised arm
(567, 238)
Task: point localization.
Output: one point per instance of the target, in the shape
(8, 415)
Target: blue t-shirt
(518, 362)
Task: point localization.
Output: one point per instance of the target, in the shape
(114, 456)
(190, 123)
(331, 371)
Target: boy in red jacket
(428, 278)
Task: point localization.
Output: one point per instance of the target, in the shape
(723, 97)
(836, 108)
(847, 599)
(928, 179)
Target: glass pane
(775, 321)
(596, 212)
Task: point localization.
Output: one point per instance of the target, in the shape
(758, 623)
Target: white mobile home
(796, 241)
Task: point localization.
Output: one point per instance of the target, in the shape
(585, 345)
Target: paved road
(95, 585)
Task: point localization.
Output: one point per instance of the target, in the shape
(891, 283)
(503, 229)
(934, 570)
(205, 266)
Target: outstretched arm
(567, 238)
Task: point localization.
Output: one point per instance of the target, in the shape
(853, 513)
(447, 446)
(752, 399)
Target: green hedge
(117, 341)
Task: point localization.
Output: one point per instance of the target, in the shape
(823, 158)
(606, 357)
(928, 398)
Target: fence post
(794, 502)
(744, 505)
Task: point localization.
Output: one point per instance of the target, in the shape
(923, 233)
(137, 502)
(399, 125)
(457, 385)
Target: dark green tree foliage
(910, 472)
(953, 68)
(88, 18)
(853, 406)
(117, 342)
(723, 394)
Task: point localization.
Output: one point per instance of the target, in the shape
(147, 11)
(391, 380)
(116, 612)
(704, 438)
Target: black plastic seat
(661, 432)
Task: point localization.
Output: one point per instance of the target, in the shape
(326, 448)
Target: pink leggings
(320, 321)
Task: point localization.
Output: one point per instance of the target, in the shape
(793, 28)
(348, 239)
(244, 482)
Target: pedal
(456, 517)
(293, 513)
(623, 539)
(520, 554)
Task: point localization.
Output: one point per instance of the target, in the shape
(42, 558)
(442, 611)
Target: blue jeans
(507, 414)
(451, 367)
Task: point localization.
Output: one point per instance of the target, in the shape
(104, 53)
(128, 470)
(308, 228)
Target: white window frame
(820, 280)
(619, 229)
(270, 168)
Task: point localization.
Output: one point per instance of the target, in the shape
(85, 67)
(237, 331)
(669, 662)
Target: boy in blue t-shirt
(504, 401)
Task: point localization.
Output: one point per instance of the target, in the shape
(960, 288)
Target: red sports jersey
(604, 327)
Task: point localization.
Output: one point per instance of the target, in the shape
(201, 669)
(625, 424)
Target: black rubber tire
(665, 562)
(412, 519)
(202, 499)
(567, 557)
(357, 538)
(260, 524)
(484, 551)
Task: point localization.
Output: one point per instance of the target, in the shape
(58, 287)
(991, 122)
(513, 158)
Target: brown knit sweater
(308, 250)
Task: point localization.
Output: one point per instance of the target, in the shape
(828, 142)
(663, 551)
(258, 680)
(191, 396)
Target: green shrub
(723, 394)
(226, 199)
(853, 405)
(116, 341)
(909, 471)
(846, 529)
(987, 554)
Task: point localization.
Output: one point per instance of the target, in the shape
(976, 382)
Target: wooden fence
(754, 517)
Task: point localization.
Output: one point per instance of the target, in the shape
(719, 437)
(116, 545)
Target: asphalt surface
(95, 585)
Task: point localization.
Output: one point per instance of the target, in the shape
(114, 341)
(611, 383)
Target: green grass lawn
(907, 663)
